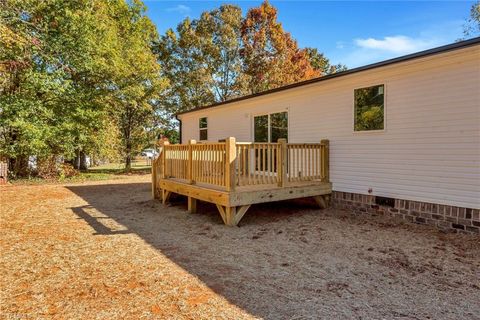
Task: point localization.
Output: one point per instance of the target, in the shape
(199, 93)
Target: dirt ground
(105, 250)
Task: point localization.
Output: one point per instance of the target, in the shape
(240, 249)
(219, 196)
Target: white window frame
(384, 109)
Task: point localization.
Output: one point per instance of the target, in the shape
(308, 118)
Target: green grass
(99, 173)
(119, 168)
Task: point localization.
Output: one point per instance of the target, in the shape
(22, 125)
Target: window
(369, 111)
(203, 126)
(270, 127)
(260, 124)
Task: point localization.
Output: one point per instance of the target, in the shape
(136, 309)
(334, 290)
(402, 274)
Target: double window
(369, 108)
(203, 127)
(270, 127)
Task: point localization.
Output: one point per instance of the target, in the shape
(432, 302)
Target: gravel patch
(103, 250)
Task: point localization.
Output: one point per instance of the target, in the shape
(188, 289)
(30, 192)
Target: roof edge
(412, 56)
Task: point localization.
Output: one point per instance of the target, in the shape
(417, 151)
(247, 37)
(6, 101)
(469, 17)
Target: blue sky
(354, 33)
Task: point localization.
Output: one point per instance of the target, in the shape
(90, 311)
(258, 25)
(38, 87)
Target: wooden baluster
(210, 164)
(273, 151)
(190, 175)
(272, 163)
(200, 163)
(241, 179)
(248, 163)
(270, 166)
(218, 163)
(282, 162)
(213, 164)
(255, 161)
(263, 163)
(215, 169)
(304, 166)
(217, 179)
(296, 169)
(310, 163)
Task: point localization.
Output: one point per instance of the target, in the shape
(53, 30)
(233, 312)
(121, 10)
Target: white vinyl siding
(429, 150)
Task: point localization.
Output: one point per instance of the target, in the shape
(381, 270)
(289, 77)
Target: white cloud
(365, 50)
(395, 44)
(182, 9)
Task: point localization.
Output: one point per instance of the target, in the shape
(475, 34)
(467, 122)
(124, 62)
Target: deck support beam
(323, 201)
(165, 196)
(192, 205)
(231, 216)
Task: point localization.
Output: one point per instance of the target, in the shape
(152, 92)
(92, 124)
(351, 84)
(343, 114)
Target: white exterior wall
(429, 150)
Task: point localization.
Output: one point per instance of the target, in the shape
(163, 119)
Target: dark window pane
(260, 125)
(278, 126)
(203, 123)
(203, 134)
(369, 108)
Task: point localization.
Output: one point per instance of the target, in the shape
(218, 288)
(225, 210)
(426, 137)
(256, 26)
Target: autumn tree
(221, 55)
(271, 57)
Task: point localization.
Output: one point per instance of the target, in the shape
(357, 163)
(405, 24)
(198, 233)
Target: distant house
(403, 133)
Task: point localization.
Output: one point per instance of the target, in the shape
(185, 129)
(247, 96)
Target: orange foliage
(271, 56)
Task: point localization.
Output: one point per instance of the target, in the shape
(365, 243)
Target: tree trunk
(83, 161)
(128, 163)
(128, 157)
(80, 161)
(19, 166)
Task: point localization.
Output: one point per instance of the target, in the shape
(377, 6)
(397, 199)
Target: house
(404, 133)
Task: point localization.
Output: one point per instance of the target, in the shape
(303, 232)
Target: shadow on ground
(286, 260)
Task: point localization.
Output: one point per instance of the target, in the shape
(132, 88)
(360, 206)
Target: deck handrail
(230, 164)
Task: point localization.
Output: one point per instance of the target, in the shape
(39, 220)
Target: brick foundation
(441, 216)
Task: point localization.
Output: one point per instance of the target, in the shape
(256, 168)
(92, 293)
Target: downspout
(179, 128)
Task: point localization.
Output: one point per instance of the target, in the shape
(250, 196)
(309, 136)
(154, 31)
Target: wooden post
(282, 162)
(231, 216)
(192, 205)
(325, 159)
(190, 176)
(164, 159)
(230, 152)
(154, 179)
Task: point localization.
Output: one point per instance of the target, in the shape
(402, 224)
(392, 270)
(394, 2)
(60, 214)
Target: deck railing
(257, 163)
(232, 164)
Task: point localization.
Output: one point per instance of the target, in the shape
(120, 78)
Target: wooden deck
(236, 175)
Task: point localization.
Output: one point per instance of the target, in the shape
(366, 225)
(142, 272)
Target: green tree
(472, 26)
(52, 73)
(71, 69)
(220, 43)
(137, 83)
(321, 63)
(184, 67)
(201, 59)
